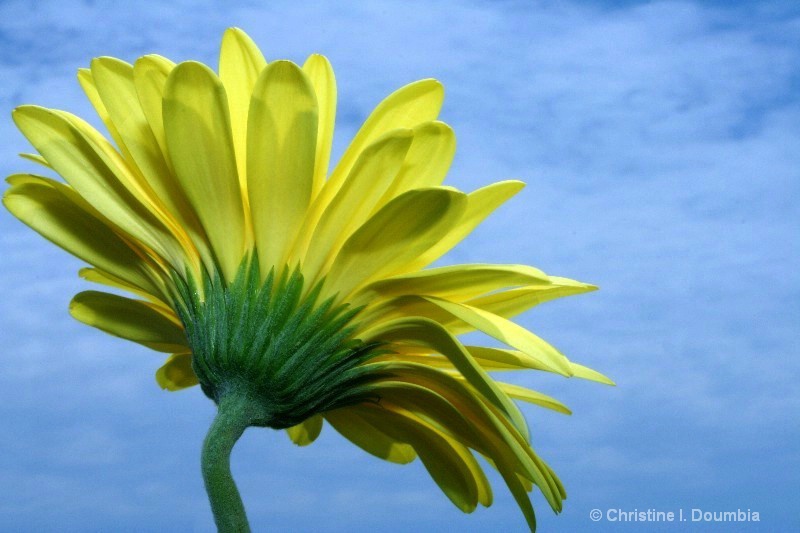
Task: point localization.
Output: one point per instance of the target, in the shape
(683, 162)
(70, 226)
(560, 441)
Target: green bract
(291, 354)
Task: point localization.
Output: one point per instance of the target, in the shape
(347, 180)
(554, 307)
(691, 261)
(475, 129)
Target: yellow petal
(480, 204)
(491, 360)
(505, 304)
(520, 494)
(319, 72)
(508, 332)
(416, 331)
(497, 437)
(86, 81)
(134, 320)
(547, 482)
(119, 115)
(98, 174)
(351, 207)
(114, 81)
(198, 132)
(122, 166)
(494, 359)
(562, 492)
(53, 210)
(240, 63)
(534, 397)
(458, 282)
(427, 161)
(379, 312)
(392, 238)
(36, 158)
(484, 495)
(502, 359)
(449, 423)
(430, 405)
(364, 435)
(177, 373)
(438, 454)
(584, 372)
(96, 275)
(306, 432)
(282, 141)
(150, 75)
(405, 108)
(514, 301)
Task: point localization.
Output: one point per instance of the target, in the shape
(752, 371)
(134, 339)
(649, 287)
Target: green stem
(233, 417)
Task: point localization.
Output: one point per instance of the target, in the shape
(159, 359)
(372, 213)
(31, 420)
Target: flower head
(302, 293)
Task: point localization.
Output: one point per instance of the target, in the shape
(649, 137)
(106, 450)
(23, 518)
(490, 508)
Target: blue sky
(661, 148)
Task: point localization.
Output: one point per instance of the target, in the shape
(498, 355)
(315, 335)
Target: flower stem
(233, 417)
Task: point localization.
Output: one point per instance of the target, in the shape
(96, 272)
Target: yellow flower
(295, 296)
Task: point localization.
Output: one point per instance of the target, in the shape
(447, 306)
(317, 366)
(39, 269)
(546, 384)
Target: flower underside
(291, 355)
(294, 295)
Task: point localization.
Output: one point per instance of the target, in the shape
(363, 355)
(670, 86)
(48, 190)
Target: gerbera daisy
(291, 295)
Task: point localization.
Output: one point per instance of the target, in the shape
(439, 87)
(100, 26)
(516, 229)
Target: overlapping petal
(130, 319)
(60, 215)
(282, 144)
(199, 139)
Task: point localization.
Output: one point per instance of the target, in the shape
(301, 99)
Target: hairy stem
(233, 417)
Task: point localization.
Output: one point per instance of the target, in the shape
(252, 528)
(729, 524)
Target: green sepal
(292, 355)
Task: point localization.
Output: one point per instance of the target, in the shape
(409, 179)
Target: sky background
(661, 148)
